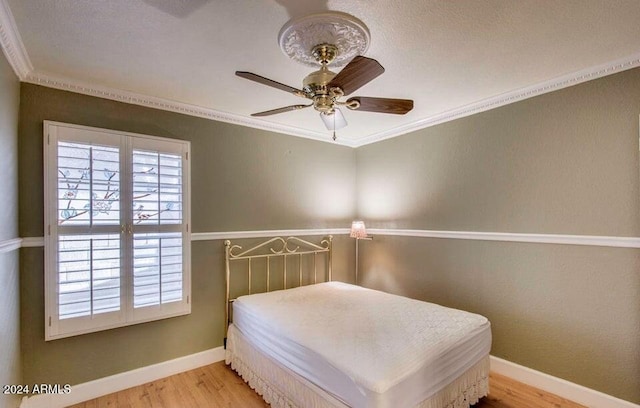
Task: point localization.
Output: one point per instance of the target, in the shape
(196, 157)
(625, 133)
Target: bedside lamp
(358, 231)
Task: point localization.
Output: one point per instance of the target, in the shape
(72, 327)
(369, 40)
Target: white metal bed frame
(474, 382)
(277, 247)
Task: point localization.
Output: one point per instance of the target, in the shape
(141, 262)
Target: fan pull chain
(334, 126)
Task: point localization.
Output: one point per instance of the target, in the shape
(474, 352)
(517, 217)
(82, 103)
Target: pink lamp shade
(358, 230)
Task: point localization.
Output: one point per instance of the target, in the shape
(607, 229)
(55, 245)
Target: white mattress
(367, 348)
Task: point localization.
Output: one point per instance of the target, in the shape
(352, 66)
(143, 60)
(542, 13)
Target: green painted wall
(560, 163)
(242, 179)
(10, 365)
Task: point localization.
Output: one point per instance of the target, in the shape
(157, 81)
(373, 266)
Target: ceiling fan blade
(359, 72)
(382, 105)
(281, 110)
(269, 82)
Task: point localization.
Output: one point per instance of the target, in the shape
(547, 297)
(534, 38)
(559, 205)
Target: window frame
(127, 142)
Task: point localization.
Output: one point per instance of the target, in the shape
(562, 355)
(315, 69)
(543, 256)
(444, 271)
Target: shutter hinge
(49, 321)
(187, 155)
(48, 138)
(49, 229)
(187, 227)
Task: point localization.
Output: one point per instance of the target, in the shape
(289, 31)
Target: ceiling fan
(326, 89)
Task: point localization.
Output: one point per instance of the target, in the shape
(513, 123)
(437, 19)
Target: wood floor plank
(511, 393)
(217, 386)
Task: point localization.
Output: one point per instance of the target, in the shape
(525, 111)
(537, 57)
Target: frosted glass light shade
(334, 121)
(358, 230)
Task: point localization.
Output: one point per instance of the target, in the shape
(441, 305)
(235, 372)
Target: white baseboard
(118, 382)
(563, 388)
(122, 381)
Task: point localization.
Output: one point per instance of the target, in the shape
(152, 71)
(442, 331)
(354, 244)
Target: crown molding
(555, 84)
(565, 81)
(12, 44)
(119, 95)
(16, 54)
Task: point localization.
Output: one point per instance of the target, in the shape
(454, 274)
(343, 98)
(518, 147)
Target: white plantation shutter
(88, 184)
(117, 244)
(88, 181)
(158, 223)
(89, 274)
(157, 269)
(157, 188)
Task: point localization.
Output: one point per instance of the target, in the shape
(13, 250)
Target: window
(117, 247)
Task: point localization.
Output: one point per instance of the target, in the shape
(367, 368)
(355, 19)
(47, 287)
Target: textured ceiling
(443, 54)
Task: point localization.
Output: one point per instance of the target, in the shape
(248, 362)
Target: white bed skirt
(282, 388)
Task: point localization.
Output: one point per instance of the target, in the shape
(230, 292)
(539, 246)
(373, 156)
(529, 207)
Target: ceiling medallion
(300, 36)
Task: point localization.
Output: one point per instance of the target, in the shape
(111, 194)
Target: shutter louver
(157, 201)
(157, 268)
(88, 184)
(88, 199)
(157, 188)
(89, 274)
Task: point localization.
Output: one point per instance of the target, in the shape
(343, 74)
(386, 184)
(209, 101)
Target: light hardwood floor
(217, 386)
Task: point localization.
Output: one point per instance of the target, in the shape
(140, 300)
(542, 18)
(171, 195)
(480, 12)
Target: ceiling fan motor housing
(315, 86)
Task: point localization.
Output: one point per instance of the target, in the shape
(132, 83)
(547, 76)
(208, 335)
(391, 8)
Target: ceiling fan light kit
(330, 39)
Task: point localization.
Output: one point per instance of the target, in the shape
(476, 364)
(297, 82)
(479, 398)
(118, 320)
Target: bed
(332, 344)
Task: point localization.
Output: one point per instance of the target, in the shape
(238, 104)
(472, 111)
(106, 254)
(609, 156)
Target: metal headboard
(277, 247)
